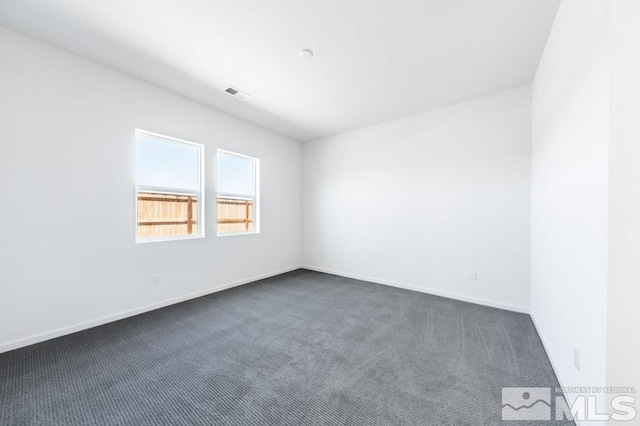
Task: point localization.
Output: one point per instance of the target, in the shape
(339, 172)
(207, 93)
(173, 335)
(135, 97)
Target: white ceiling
(375, 60)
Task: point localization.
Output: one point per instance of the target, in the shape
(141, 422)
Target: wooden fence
(166, 215)
(234, 215)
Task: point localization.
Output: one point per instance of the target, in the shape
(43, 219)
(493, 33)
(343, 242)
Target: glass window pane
(235, 175)
(165, 163)
(235, 215)
(166, 215)
(169, 188)
(238, 187)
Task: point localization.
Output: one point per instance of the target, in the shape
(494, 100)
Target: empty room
(319, 212)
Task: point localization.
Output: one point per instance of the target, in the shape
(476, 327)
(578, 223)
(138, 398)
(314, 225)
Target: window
(238, 194)
(169, 188)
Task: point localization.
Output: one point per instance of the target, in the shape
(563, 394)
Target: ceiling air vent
(236, 93)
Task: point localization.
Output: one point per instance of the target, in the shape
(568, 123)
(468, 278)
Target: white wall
(623, 339)
(423, 201)
(570, 190)
(68, 251)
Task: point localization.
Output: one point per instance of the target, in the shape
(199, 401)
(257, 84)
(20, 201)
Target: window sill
(163, 239)
(237, 234)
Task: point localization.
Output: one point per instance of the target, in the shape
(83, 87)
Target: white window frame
(255, 198)
(174, 191)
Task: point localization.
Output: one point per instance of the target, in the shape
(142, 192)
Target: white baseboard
(435, 292)
(41, 337)
(553, 364)
(546, 349)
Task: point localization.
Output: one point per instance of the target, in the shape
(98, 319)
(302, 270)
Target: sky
(169, 164)
(235, 175)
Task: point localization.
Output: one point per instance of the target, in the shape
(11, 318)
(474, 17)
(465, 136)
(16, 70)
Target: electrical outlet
(156, 279)
(473, 276)
(576, 359)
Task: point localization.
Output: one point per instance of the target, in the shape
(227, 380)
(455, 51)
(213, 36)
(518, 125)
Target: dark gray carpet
(302, 348)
